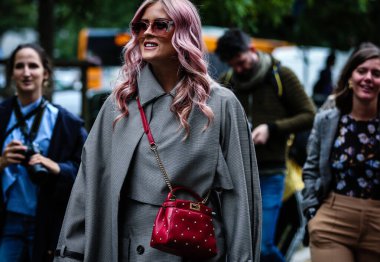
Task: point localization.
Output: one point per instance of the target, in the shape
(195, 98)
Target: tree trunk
(46, 32)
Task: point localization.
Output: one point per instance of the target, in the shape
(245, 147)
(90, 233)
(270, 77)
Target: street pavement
(302, 255)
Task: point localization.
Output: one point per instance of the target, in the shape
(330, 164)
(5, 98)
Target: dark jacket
(286, 113)
(65, 148)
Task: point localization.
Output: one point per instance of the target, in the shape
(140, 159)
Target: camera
(37, 173)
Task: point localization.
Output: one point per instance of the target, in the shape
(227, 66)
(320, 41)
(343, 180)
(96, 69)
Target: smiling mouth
(150, 44)
(26, 82)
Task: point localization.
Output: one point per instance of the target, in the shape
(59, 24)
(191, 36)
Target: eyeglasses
(158, 27)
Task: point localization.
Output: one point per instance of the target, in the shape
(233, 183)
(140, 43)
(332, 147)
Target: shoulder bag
(182, 227)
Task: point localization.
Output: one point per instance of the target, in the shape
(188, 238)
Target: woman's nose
(149, 30)
(26, 71)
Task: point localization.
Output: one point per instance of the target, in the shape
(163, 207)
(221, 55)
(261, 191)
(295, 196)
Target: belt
(67, 253)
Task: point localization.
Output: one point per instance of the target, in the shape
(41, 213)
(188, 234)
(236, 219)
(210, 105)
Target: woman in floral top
(342, 170)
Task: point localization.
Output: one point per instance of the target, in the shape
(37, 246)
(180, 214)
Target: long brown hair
(343, 94)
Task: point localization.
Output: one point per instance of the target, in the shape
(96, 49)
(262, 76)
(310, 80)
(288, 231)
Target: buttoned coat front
(219, 157)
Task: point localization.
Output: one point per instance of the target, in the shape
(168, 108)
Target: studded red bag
(182, 227)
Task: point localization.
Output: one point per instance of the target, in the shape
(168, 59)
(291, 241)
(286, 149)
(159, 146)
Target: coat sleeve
(241, 205)
(69, 167)
(74, 235)
(311, 172)
(299, 106)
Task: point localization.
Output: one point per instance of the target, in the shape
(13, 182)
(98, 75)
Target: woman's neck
(27, 99)
(167, 75)
(364, 111)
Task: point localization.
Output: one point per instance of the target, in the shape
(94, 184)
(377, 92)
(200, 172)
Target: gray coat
(317, 169)
(221, 157)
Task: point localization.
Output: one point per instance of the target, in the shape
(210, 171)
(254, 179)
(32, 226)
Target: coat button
(140, 250)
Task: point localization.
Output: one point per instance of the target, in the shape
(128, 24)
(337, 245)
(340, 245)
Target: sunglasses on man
(158, 27)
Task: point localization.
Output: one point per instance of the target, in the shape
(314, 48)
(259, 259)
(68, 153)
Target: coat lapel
(127, 134)
(5, 114)
(329, 128)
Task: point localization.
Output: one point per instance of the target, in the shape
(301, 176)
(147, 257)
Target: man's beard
(245, 75)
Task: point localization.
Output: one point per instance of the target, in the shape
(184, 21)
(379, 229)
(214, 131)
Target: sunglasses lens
(139, 27)
(160, 26)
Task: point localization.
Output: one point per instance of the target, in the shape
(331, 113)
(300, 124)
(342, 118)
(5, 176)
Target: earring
(45, 83)
(350, 86)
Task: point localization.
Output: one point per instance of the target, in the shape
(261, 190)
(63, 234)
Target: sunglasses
(158, 27)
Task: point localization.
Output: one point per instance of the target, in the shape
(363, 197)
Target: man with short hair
(276, 105)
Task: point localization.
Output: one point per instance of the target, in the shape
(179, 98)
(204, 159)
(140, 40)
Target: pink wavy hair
(194, 87)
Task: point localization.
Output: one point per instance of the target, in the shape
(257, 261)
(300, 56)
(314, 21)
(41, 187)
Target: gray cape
(91, 225)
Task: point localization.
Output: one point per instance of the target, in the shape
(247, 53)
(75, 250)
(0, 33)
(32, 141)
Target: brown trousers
(346, 229)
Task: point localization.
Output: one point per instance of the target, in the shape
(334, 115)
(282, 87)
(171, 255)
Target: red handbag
(182, 227)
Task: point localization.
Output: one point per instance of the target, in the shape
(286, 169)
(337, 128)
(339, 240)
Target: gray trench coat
(227, 163)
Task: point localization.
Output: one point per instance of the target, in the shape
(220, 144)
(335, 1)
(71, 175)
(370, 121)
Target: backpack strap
(227, 78)
(276, 74)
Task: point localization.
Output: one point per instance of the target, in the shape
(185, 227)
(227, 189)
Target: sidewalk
(302, 255)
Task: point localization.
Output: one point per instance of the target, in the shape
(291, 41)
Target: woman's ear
(46, 75)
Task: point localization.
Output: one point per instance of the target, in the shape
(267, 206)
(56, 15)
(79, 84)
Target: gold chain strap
(154, 148)
(166, 177)
(161, 166)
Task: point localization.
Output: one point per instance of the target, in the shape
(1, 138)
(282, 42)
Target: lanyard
(29, 136)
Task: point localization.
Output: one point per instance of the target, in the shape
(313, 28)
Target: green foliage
(17, 14)
(244, 14)
(339, 24)
(73, 15)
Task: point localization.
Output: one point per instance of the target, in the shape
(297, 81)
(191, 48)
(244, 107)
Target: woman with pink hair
(201, 134)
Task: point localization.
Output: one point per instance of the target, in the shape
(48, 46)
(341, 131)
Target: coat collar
(6, 108)
(148, 87)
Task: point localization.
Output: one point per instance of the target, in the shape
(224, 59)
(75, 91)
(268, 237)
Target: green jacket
(286, 110)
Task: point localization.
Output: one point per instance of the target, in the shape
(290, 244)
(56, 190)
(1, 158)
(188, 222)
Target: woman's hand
(13, 154)
(51, 166)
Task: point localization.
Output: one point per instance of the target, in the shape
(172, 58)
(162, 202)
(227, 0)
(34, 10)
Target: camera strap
(29, 136)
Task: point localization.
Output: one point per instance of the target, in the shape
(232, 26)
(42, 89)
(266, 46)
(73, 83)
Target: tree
(337, 24)
(244, 14)
(339, 27)
(17, 14)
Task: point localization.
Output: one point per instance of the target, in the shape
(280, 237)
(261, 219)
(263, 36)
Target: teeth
(150, 45)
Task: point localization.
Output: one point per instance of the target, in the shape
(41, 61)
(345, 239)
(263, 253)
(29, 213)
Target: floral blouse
(355, 158)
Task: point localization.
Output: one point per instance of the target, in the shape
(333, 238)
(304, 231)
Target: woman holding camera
(41, 147)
